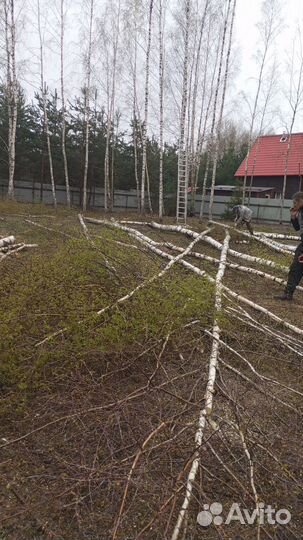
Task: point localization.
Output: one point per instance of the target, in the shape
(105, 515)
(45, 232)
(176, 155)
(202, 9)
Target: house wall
(292, 185)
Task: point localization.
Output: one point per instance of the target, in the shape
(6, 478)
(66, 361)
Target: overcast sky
(248, 14)
(246, 39)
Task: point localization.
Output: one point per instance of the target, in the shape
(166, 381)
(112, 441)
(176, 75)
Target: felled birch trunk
(7, 241)
(277, 235)
(153, 246)
(209, 240)
(234, 266)
(262, 240)
(209, 394)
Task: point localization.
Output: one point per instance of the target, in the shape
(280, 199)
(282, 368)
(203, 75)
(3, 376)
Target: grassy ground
(117, 396)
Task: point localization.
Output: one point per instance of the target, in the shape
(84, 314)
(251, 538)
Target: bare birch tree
(63, 111)
(111, 74)
(134, 45)
(268, 30)
(215, 102)
(87, 90)
(11, 89)
(268, 97)
(44, 94)
(294, 100)
(197, 73)
(146, 105)
(161, 96)
(202, 135)
(220, 119)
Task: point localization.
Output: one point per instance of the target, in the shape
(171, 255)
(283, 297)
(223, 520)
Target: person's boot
(287, 296)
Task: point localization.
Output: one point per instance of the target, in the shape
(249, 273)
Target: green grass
(60, 285)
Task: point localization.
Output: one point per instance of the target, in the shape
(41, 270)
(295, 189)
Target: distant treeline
(32, 157)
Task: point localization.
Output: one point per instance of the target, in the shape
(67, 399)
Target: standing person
(296, 268)
(243, 214)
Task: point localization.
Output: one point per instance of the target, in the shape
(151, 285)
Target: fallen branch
(50, 229)
(129, 476)
(252, 479)
(251, 367)
(286, 341)
(258, 388)
(209, 394)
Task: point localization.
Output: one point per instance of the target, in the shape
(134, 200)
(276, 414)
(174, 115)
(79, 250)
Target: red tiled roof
(269, 153)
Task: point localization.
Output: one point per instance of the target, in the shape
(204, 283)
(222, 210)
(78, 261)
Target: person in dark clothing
(296, 268)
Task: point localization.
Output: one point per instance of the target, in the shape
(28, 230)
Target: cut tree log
(7, 241)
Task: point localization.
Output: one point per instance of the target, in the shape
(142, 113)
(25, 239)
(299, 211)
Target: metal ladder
(182, 187)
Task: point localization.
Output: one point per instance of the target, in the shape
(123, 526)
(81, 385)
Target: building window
(283, 138)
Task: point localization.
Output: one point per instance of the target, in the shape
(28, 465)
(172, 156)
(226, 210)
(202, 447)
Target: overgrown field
(98, 421)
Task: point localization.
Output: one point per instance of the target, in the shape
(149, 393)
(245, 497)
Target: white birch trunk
(202, 131)
(267, 100)
(215, 103)
(110, 135)
(277, 236)
(294, 106)
(63, 132)
(269, 34)
(161, 95)
(12, 89)
(135, 127)
(212, 242)
(206, 412)
(233, 266)
(87, 102)
(194, 102)
(153, 246)
(44, 102)
(273, 245)
(219, 124)
(146, 105)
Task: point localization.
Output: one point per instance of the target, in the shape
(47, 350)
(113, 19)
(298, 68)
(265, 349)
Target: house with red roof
(268, 160)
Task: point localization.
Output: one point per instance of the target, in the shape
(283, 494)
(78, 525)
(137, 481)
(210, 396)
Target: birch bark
(63, 111)
(146, 105)
(87, 101)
